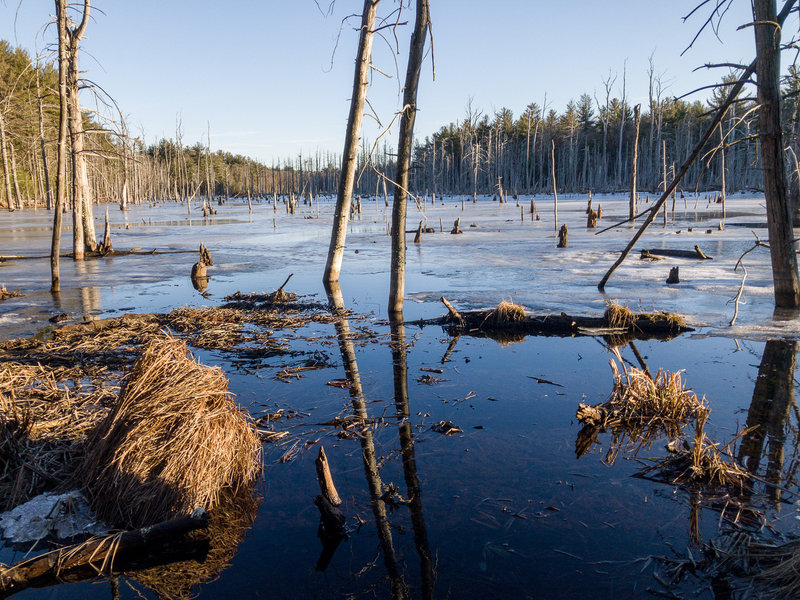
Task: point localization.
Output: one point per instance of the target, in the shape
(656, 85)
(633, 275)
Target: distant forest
(592, 141)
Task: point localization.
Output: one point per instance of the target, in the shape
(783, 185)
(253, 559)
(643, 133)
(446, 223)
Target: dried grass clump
(6, 294)
(173, 442)
(505, 313)
(619, 316)
(640, 402)
(640, 409)
(703, 464)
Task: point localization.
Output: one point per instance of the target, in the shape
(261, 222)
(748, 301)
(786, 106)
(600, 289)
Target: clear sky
(259, 71)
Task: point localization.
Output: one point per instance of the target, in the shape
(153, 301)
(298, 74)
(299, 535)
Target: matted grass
(173, 442)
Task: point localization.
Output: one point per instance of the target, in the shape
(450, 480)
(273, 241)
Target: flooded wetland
(461, 466)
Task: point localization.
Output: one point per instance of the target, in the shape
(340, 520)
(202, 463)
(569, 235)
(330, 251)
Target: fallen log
(696, 253)
(103, 556)
(660, 325)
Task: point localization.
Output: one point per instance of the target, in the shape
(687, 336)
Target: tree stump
(599, 211)
(418, 236)
(199, 270)
(562, 237)
(205, 255)
(673, 276)
(591, 219)
(456, 227)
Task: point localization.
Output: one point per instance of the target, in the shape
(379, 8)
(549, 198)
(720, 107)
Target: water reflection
(382, 524)
(768, 415)
(414, 492)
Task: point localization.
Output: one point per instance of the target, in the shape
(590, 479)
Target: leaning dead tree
(352, 136)
(398, 268)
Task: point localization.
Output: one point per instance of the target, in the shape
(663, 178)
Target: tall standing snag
(352, 137)
(779, 216)
(61, 173)
(398, 269)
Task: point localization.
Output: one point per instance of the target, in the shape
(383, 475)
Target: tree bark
(61, 174)
(83, 234)
(779, 218)
(398, 266)
(6, 170)
(47, 188)
(636, 120)
(352, 137)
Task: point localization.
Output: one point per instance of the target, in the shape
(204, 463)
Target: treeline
(123, 168)
(592, 142)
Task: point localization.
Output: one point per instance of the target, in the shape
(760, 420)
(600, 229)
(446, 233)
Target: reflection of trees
(367, 443)
(773, 398)
(409, 460)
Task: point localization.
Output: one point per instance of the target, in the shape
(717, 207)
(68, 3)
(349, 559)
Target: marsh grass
(641, 409)
(172, 443)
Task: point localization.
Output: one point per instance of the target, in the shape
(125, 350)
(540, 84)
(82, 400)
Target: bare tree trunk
(61, 173)
(6, 170)
(17, 195)
(722, 167)
(779, 217)
(555, 191)
(83, 235)
(636, 119)
(352, 137)
(398, 268)
(42, 144)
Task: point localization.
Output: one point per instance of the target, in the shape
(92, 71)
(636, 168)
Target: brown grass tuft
(703, 464)
(641, 409)
(618, 315)
(505, 313)
(172, 443)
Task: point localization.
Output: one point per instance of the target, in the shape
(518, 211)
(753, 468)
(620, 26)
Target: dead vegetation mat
(56, 387)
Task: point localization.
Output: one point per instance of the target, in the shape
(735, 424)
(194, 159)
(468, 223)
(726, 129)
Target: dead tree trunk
(779, 217)
(6, 170)
(398, 267)
(82, 219)
(351, 140)
(636, 120)
(61, 173)
(42, 144)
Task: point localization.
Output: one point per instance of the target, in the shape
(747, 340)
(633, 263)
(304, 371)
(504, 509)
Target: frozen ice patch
(61, 516)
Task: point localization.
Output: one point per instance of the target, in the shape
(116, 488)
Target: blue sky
(260, 71)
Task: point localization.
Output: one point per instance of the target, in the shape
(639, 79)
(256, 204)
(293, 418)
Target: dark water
(502, 510)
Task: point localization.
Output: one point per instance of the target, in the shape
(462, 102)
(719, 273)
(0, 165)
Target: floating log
(97, 554)
(634, 325)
